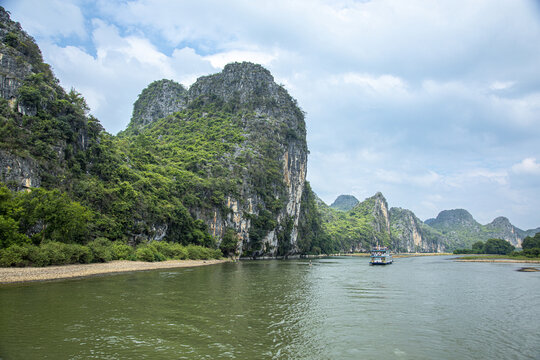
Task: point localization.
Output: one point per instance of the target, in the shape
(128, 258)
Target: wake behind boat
(380, 255)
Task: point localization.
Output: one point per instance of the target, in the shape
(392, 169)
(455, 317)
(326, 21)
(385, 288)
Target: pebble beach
(28, 274)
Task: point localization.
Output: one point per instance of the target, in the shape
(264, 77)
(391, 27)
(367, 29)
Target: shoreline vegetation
(497, 258)
(63, 272)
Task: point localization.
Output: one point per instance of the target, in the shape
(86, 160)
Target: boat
(380, 255)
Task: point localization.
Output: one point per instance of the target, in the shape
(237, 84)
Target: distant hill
(461, 230)
(344, 202)
(372, 221)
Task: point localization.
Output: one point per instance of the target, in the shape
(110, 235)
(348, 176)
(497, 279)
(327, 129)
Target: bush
(37, 256)
(145, 253)
(121, 251)
(195, 252)
(532, 253)
(80, 254)
(56, 253)
(101, 249)
(164, 248)
(15, 255)
(175, 251)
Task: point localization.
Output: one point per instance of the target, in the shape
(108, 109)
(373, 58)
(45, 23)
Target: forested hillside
(221, 164)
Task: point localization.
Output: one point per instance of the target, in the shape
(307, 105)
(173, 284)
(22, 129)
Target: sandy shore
(17, 275)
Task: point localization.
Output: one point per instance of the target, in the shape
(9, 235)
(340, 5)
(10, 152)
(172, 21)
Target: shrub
(178, 252)
(216, 253)
(37, 256)
(101, 249)
(164, 248)
(57, 253)
(145, 253)
(80, 254)
(121, 251)
(14, 256)
(195, 252)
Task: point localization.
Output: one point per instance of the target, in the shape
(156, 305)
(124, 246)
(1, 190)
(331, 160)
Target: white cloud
(527, 166)
(48, 18)
(501, 85)
(122, 67)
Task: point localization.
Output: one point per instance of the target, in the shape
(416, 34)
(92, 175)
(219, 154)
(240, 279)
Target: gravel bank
(17, 275)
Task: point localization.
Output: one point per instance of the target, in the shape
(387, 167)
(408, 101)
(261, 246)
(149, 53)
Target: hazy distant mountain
(371, 221)
(462, 230)
(344, 202)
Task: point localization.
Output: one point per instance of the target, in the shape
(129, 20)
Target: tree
(229, 242)
(478, 247)
(531, 242)
(498, 246)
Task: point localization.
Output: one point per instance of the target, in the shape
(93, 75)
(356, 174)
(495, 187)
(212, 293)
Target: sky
(436, 104)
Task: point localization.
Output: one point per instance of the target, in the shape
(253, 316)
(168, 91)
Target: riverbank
(404, 255)
(28, 274)
(498, 260)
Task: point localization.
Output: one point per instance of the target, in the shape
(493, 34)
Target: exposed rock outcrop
(501, 228)
(410, 234)
(17, 172)
(158, 100)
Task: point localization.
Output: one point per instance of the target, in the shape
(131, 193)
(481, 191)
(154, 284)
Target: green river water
(338, 308)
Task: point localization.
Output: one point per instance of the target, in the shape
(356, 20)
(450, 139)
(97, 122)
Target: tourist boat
(380, 255)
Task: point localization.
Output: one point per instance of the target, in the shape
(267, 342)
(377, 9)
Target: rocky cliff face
(410, 234)
(274, 133)
(160, 99)
(44, 127)
(15, 65)
(501, 228)
(17, 172)
(16, 45)
(344, 202)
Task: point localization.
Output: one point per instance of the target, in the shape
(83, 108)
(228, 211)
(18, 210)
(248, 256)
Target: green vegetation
(531, 246)
(354, 229)
(159, 180)
(492, 246)
(312, 238)
(100, 250)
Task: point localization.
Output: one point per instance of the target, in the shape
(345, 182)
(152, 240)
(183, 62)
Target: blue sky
(434, 103)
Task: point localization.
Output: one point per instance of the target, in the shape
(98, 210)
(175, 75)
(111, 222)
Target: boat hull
(380, 263)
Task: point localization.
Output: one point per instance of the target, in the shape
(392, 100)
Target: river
(336, 308)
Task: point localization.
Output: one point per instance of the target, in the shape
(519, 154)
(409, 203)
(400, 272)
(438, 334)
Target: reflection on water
(339, 308)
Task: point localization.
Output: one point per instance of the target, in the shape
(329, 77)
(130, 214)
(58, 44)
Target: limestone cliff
(264, 211)
(501, 228)
(158, 100)
(410, 234)
(43, 126)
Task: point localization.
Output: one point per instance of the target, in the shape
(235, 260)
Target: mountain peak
(241, 83)
(344, 202)
(501, 220)
(158, 100)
